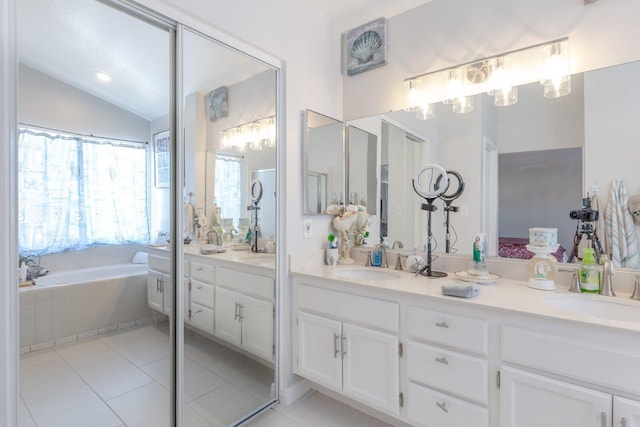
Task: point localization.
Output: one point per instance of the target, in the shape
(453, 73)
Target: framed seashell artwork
(365, 47)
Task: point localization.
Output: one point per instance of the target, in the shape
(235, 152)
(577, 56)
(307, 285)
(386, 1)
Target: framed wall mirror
(582, 142)
(323, 162)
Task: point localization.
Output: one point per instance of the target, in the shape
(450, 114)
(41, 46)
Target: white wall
(442, 33)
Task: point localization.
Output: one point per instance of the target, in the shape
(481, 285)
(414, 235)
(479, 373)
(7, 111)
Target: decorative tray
(489, 278)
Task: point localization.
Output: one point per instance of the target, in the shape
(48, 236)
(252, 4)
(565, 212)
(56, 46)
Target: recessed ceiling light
(103, 76)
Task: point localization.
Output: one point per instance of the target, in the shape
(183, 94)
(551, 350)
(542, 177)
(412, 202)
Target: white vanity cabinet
(350, 344)
(530, 400)
(447, 369)
(244, 310)
(159, 284)
(533, 399)
(201, 296)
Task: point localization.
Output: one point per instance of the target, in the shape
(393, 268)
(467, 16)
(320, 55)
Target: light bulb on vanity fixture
(556, 74)
(498, 75)
(250, 136)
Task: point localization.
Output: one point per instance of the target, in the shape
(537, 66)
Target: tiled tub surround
(75, 304)
(486, 360)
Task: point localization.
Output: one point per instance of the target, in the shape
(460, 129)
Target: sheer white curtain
(77, 191)
(228, 187)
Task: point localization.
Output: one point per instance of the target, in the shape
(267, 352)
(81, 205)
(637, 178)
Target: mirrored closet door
(138, 200)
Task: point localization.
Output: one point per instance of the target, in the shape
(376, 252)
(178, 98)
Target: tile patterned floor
(122, 379)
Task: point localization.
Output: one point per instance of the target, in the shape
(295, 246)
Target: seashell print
(365, 46)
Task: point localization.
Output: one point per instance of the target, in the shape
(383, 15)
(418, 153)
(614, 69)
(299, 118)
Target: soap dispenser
(589, 272)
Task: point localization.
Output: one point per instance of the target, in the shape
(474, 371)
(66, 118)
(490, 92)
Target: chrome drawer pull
(442, 324)
(442, 360)
(237, 313)
(198, 287)
(442, 406)
(199, 311)
(336, 350)
(240, 310)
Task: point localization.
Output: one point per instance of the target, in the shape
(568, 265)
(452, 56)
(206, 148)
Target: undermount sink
(365, 274)
(598, 306)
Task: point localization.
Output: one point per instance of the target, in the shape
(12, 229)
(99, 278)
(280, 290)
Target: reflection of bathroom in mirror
(564, 136)
(322, 162)
(362, 154)
(100, 134)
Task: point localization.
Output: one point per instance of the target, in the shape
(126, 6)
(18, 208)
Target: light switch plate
(307, 229)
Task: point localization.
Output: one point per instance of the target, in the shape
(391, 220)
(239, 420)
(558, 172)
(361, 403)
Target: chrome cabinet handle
(198, 287)
(603, 418)
(336, 350)
(442, 324)
(157, 285)
(442, 360)
(344, 346)
(623, 422)
(240, 311)
(442, 406)
(199, 311)
(237, 312)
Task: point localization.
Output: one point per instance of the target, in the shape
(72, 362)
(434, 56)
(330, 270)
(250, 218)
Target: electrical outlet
(464, 210)
(307, 229)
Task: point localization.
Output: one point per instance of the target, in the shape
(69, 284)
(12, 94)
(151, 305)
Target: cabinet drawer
(246, 283)
(362, 310)
(437, 409)
(202, 293)
(569, 357)
(160, 263)
(443, 328)
(463, 375)
(202, 317)
(203, 272)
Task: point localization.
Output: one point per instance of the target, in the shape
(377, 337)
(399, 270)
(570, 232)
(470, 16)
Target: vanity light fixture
(102, 76)
(498, 75)
(250, 136)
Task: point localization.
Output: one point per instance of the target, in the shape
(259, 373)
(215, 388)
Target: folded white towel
(189, 225)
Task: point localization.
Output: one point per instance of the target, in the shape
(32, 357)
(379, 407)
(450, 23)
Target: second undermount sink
(365, 274)
(598, 306)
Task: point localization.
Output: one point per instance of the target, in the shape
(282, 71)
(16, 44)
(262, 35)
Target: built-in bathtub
(74, 304)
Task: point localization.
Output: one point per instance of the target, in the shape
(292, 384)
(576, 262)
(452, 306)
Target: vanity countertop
(618, 312)
(260, 260)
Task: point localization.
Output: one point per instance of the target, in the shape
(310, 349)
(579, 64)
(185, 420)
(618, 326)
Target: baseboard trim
(294, 392)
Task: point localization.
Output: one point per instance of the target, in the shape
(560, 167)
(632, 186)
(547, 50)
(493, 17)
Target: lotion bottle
(589, 272)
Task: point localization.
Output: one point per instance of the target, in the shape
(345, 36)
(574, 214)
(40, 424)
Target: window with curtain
(228, 187)
(75, 191)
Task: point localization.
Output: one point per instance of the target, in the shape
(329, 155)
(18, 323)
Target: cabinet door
(371, 367)
(227, 315)
(528, 400)
(154, 290)
(319, 357)
(626, 413)
(257, 326)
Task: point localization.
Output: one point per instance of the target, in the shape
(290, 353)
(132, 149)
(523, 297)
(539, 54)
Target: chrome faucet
(636, 289)
(383, 262)
(397, 244)
(607, 272)
(208, 239)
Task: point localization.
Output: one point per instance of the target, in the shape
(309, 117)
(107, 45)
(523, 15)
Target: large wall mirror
(96, 193)
(524, 165)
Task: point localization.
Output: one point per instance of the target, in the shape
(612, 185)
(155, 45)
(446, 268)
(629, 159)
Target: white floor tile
(113, 377)
(198, 381)
(251, 376)
(225, 405)
(45, 376)
(86, 352)
(272, 418)
(78, 409)
(24, 417)
(135, 347)
(146, 406)
(193, 419)
(318, 410)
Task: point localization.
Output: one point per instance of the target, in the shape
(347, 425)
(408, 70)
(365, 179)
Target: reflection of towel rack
(190, 196)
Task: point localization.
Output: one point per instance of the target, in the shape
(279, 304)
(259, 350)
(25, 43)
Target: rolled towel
(461, 289)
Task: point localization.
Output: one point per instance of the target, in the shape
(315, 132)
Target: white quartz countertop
(262, 260)
(504, 294)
